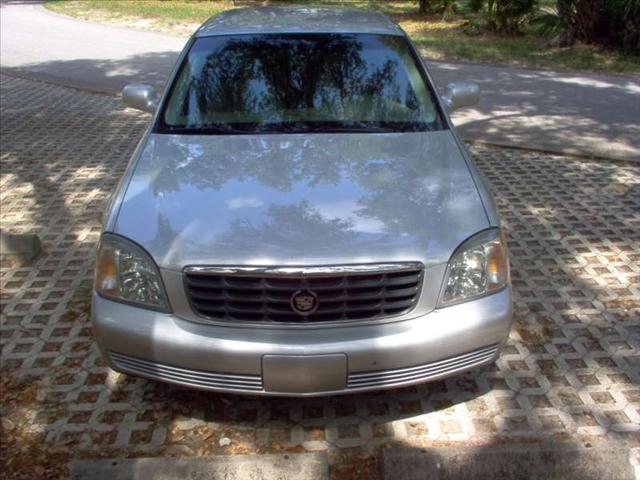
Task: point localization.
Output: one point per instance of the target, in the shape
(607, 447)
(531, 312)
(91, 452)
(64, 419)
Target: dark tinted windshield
(299, 83)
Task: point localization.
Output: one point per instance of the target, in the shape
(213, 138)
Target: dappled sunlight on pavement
(570, 371)
(587, 114)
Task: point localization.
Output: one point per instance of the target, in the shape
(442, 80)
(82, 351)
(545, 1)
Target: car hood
(297, 199)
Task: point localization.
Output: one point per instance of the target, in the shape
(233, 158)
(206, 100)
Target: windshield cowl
(310, 127)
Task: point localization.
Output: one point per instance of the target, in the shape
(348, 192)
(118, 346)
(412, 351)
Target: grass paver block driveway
(570, 371)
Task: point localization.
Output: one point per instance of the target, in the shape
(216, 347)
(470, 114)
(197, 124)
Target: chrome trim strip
(314, 271)
(398, 382)
(168, 373)
(356, 382)
(402, 376)
(489, 349)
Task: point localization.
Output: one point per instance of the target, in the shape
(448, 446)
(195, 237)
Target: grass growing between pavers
(438, 39)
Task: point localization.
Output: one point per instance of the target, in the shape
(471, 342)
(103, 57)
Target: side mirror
(141, 97)
(461, 94)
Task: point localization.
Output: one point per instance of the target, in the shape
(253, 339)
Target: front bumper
(302, 361)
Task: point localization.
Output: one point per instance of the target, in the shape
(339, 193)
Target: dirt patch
(23, 452)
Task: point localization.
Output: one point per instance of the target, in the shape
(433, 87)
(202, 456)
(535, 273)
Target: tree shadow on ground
(587, 114)
(102, 75)
(579, 113)
(568, 372)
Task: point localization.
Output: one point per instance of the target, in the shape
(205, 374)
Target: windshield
(299, 83)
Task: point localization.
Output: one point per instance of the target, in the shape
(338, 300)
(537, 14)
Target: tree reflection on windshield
(290, 83)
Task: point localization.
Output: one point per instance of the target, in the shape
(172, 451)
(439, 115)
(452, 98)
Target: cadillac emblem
(304, 302)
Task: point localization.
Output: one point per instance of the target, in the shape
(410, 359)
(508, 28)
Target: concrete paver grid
(570, 372)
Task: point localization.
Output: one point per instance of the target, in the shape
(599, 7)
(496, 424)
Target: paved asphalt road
(580, 113)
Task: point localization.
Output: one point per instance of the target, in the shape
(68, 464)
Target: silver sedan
(300, 218)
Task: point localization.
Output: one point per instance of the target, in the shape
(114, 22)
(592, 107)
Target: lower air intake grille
(399, 376)
(183, 376)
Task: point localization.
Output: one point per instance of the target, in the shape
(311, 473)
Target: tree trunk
(565, 11)
(584, 20)
(591, 21)
(424, 6)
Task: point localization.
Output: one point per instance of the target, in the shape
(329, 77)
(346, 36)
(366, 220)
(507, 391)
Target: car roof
(298, 20)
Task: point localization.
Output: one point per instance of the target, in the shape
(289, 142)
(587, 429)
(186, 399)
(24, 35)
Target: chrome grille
(343, 292)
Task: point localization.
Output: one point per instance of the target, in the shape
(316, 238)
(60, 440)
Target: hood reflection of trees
(393, 183)
(289, 226)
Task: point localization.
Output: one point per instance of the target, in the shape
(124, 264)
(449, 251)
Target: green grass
(436, 38)
(166, 12)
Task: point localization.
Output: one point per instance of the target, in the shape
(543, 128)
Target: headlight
(126, 273)
(478, 267)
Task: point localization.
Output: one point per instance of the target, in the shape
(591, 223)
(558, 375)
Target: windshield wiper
(206, 130)
(285, 128)
(352, 129)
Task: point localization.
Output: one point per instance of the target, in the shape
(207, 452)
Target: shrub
(501, 16)
(508, 16)
(610, 23)
(624, 23)
(446, 8)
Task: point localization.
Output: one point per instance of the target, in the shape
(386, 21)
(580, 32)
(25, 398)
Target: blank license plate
(304, 374)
